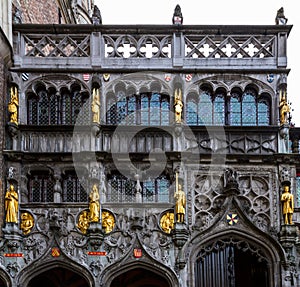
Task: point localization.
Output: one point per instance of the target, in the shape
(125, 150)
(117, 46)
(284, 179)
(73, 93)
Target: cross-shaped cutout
(149, 50)
(126, 50)
(206, 50)
(251, 49)
(228, 50)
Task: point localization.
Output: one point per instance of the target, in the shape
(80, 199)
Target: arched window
(74, 190)
(191, 112)
(235, 110)
(145, 109)
(40, 187)
(48, 107)
(205, 109)
(122, 189)
(249, 109)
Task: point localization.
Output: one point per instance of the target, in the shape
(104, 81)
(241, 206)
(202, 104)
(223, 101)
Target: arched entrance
(139, 277)
(227, 263)
(2, 284)
(57, 277)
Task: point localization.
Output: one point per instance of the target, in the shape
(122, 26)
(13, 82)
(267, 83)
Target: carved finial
(280, 18)
(96, 17)
(177, 16)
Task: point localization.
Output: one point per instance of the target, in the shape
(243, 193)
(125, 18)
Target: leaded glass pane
(205, 109)
(131, 118)
(54, 101)
(191, 113)
(66, 105)
(43, 109)
(219, 110)
(145, 110)
(248, 110)
(148, 191)
(163, 189)
(155, 110)
(121, 108)
(263, 114)
(32, 111)
(111, 115)
(235, 111)
(165, 108)
(76, 106)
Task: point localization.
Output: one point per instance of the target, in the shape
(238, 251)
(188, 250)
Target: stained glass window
(219, 110)
(191, 112)
(205, 109)
(248, 110)
(235, 110)
(145, 109)
(263, 113)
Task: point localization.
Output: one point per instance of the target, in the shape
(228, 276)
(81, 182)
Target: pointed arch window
(249, 110)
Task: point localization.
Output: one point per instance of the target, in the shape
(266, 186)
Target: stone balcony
(114, 48)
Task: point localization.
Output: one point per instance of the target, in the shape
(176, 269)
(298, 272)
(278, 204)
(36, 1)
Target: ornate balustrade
(203, 140)
(90, 47)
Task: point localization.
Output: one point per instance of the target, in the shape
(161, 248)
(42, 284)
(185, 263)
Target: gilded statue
(108, 221)
(11, 205)
(180, 201)
(13, 105)
(284, 108)
(178, 105)
(83, 221)
(167, 222)
(94, 207)
(96, 106)
(287, 200)
(27, 222)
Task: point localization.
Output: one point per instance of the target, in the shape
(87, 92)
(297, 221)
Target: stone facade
(114, 112)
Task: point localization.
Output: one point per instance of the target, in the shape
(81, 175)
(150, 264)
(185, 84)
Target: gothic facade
(153, 156)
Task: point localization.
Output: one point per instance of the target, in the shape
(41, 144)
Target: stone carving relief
(253, 195)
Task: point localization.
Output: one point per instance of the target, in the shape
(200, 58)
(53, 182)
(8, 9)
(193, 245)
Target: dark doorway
(58, 277)
(139, 277)
(231, 266)
(2, 284)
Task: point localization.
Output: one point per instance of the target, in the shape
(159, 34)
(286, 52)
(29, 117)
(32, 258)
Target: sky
(215, 12)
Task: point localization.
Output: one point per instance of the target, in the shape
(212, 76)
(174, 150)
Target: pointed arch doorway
(139, 277)
(57, 277)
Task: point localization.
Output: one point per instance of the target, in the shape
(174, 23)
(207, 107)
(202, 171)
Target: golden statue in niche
(11, 205)
(83, 221)
(27, 222)
(167, 222)
(94, 214)
(180, 201)
(13, 105)
(178, 105)
(287, 200)
(284, 108)
(108, 221)
(96, 106)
